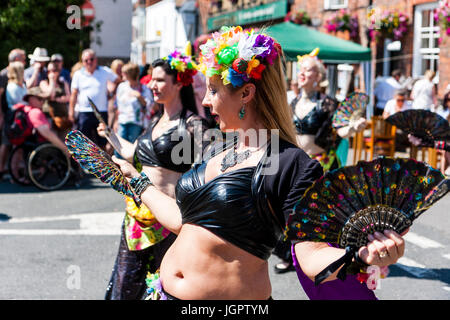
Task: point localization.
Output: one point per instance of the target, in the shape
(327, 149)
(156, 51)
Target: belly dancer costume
(318, 122)
(245, 207)
(144, 240)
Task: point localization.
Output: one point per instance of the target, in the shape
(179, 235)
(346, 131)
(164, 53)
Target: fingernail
(370, 237)
(377, 234)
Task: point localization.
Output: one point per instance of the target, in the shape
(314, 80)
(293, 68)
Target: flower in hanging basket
(342, 20)
(390, 24)
(442, 17)
(298, 16)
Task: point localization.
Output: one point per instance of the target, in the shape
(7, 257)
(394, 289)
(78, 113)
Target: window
(335, 4)
(426, 36)
(152, 51)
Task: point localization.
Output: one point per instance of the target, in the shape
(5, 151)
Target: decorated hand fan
(423, 124)
(97, 162)
(351, 109)
(347, 204)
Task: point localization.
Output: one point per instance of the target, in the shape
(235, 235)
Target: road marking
(446, 288)
(413, 267)
(94, 224)
(447, 256)
(421, 241)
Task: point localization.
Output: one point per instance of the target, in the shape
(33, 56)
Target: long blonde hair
(271, 101)
(15, 72)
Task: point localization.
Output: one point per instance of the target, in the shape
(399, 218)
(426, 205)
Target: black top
(318, 121)
(167, 150)
(248, 207)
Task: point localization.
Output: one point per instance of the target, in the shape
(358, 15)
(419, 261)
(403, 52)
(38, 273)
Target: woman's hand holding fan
(348, 204)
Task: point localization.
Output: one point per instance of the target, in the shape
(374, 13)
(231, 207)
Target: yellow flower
(252, 64)
(224, 76)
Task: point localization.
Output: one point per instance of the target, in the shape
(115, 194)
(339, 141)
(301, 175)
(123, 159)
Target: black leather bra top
(312, 122)
(231, 205)
(157, 153)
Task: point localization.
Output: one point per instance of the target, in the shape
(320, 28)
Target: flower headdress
(183, 64)
(236, 55)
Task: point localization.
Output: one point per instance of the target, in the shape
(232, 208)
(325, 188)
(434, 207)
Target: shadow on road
(442, 274)
(88, 182)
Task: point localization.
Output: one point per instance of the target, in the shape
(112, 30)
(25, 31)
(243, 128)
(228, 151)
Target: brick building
(417, 51)
(419, 47)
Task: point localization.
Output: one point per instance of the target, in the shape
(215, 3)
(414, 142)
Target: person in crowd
(38, 67)
(116, 68)
(77, 66)
(423, 94)
(144, 240)
(15, 91)
(398, 104)
(16, 88)
(133, 99)
(57, 92)
(385, 90)
(14, 55)
(444, 109)
(58, 60)
(33, 102)
(91, 82)
(146, 75)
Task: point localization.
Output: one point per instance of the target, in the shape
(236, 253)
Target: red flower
(256, 72)
(185, 78)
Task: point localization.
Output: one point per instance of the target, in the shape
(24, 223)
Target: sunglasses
(401, 100)
(89, 60)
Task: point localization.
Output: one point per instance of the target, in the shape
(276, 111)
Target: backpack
(18, 127)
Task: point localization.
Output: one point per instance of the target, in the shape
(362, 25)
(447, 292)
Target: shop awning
(299, 40)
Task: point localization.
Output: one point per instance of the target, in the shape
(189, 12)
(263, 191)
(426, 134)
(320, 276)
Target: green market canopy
(299, 40)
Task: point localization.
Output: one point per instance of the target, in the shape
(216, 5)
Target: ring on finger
(383, 254)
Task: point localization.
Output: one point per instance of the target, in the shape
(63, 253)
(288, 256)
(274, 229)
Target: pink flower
(135, 231)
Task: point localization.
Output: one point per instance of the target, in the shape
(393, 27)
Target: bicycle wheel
(17, 165)
(48, 167)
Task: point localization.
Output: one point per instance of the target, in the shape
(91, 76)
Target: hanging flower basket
(343, 21)
(390, 24)
(298, 16)
(442, 17)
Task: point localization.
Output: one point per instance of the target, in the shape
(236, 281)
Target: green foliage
(28, 24)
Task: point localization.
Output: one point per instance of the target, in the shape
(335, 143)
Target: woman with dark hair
(144, 240)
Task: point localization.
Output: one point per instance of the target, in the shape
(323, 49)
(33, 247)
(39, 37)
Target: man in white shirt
(385, 90)
(91, 81)
(398, 104)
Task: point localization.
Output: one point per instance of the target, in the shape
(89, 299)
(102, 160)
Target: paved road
(62, 245)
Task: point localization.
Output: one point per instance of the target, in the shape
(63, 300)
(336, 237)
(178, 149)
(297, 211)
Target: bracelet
(440, 144)
(140, 184)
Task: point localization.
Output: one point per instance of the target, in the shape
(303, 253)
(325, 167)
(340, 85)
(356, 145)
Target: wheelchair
(39, 164)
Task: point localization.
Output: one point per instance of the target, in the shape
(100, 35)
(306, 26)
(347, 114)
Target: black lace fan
(347, 204)
(351, 109)
(423, 124)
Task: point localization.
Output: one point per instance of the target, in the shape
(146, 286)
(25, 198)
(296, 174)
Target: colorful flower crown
(237, 56)
(184, 66)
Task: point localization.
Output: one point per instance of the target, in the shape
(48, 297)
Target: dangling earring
(242, 112)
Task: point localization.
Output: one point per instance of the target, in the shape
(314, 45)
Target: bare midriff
(200, 266)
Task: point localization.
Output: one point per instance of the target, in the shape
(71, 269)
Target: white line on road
(447, 256)
(421, 241)
(104, 223)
